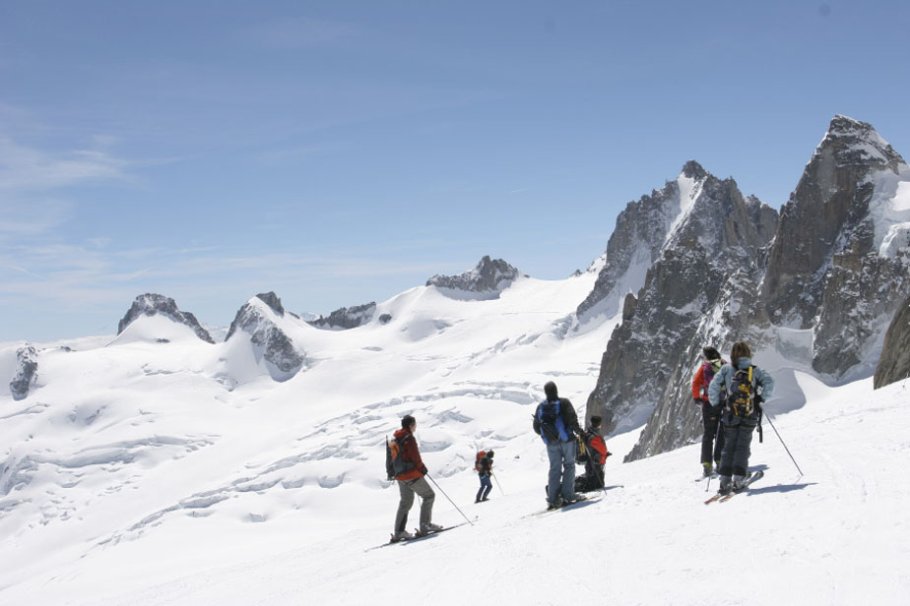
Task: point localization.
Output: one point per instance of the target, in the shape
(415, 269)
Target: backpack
(742, 393)
(581, 451)
(394, 457)
(477, 460)
(548, 416)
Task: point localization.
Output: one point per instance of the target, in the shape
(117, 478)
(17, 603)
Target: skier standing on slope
(411, 481)
(485, 472)
(556, 422)
(747, 386)
(711, 449)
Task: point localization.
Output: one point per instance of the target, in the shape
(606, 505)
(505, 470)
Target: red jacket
(598, 448)
(410, 453)
(702, 379)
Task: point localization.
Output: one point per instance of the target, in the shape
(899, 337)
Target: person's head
(740, 350)
(408, 422)
(490, 453)
(551, 391)
(596, 421)
(710, 354)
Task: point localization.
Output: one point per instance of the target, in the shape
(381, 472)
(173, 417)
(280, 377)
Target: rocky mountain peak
(150, 304)
(488, 279)
(694, 170)
(283, 361)
(850, 142)
(272, 300)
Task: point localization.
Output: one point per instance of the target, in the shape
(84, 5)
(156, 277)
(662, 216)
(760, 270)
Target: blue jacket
(723, 381)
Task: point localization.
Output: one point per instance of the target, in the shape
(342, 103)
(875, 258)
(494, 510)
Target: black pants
(737, 448)
(712, 442)
(595, 474)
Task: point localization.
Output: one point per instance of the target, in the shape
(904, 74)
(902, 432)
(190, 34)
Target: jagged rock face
(347, 317)
(836, 269)
(710, 258)
(151, 304)
(828, 269)
(894, 364)
(486, 281)
(271, 342)
(637, 241)
(26, 372)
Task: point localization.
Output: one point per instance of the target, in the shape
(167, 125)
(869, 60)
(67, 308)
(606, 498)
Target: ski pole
(497, 484)
(768, 415)
(450, 500)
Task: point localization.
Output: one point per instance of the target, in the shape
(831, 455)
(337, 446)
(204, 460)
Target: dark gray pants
(737, 448)
(408, 489)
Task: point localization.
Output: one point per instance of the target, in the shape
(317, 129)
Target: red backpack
(480, 455)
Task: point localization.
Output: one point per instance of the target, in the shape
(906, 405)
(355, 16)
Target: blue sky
(342, 152)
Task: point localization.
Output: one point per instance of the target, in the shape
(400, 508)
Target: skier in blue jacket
(746, 386)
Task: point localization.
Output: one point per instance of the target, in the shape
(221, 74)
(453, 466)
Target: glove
(423, 470)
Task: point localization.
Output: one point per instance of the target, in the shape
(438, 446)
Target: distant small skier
(597, 455)
(747, 386)
(556, 422)
(712, 442)
(411, 481)
(485, 473)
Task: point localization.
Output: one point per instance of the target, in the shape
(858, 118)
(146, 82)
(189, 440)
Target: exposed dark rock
(270, 342)
(151, 304)
(486, 281)
(26, 372)
(347, 317)
(713, 240)
(894, 364)
(825, 267)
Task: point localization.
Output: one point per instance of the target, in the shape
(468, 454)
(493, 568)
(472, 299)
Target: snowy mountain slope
(139, 441)
(837, 535)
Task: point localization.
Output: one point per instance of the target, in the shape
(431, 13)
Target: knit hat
(407, 421)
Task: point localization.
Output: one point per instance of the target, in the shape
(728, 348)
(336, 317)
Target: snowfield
(147, 473)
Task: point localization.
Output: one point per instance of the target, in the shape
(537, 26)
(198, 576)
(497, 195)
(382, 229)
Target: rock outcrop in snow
(894, 364)
(258, 318)
(346, 317)
(486, 281)
(820, 292)
(706, 241)
(26, 372)
(827, 268)
(151, 304)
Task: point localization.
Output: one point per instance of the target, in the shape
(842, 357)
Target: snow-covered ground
(142, 473)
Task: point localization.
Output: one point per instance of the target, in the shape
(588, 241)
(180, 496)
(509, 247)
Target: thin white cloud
(28, 169)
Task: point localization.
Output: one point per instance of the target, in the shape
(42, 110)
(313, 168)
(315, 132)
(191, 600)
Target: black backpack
(549, 413)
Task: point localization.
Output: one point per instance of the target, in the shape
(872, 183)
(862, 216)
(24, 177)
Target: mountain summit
(486, 281)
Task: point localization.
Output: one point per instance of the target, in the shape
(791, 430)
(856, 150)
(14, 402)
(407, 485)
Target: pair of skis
(723, 498)
(415, 538)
